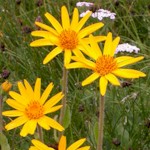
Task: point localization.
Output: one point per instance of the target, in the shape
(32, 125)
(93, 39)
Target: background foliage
(127, 113)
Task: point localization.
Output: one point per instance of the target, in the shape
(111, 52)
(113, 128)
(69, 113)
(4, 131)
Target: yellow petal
(16, 123)
(76, 145)
(112, 79)
(96, 51)
(52, 123)
(47, 35)
(28, 128)
(103, 85)
(52, 54)
(33, 148)
(13, 113)
(54, 22)
(29, 89)
(115, 43)
(53, 109)
(21, 88)
(75, 18)
(19, 98)
(85, 48)
(96, 39)
(128, 73)
(90, 79)
(37, 89)
(52, 101)
(46, 27)
(76, 65)
(23, 92)
(41, 42)
(108, 44)
(122, 59)
(46, 93)
(78, 53)
(39, 33)
(40, 145)
(129, 61)
(65, 18)
(89, 29)
(15, 104)
(84, 148)
(86, 62)
(82, 22)
(62, 143)
(67, 57)
(42, 122)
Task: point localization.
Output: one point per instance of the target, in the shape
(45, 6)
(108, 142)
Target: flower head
(104, 65)
(6, 86)
(87, 4)
(100, 14)
(68, 37)
(31, 108)
(62, 145)
(125, 47)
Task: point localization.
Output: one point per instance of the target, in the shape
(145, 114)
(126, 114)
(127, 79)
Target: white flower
(87, 4)
(127, 48)
(84, 13)
(100, 14)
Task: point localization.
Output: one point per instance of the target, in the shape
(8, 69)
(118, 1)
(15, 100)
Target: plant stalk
(1, 117)
(64, 90)
(40, 133)
(101, 123)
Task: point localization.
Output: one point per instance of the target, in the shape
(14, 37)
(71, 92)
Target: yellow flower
(31, 108)
(104, 65)
(68, 37)
(62, 145)
(6, 86)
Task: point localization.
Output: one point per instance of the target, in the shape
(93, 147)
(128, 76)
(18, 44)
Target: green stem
(64, 90)
(40, 133)
(101, 123)
(1, 117)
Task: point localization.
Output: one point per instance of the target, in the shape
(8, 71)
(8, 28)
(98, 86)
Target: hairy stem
(101, 123)
(64, 90)
(40, 133)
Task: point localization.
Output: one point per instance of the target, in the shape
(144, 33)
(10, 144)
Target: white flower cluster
(127, 48)
(100, 13)
(87, 4)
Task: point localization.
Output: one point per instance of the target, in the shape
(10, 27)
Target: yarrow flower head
(62, 145)
(104, 65)
(68, 37)
(126, 47)
(100, 14)
(87, 4)
(31, 108)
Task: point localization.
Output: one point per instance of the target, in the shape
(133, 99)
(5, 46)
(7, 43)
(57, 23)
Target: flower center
(34, 110)
(68, 39)
(105, 64)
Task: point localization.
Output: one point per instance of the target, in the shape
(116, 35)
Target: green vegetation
(127, 108)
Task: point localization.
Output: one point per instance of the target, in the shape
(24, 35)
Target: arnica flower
(6, 86)
(104, 65)
(62, 145)
(31, 108)
(68, 37)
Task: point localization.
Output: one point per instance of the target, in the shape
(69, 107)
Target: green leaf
(67, 117)
(96, 131)
(4, 142)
